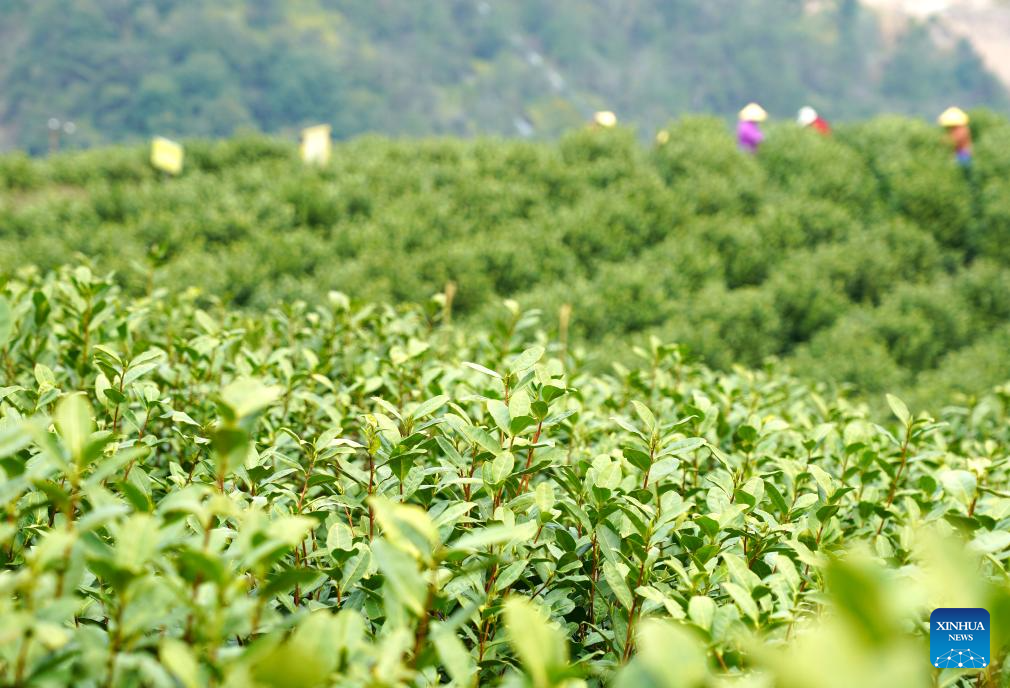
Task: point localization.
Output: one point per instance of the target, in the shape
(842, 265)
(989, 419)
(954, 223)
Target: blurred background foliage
(122, 70)
(869, 259)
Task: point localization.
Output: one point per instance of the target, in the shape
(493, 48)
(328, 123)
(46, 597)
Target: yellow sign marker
(316, 145)
(166, 155)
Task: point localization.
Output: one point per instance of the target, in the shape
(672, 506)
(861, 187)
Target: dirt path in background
(986, 23)
(987, 26)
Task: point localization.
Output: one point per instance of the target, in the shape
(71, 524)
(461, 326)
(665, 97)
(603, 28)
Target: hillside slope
(122, 71)
(868, 258)
(984, 23)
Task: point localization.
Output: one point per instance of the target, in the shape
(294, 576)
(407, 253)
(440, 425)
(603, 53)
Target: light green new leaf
(428, 407)
(501, 468)
(142, 365)
(540, 646)
(961, 485)
(989, 542)
(304, 660)
(742, 599)
(668, 655)
(645, 414)
(74, 421)
(527, 359)
(495, 535)
(481, 369)
(246, 396)
(339, 537)
(291, 529)
(519, 404)
(617, 582)
(406, 526)
(179, 660)
(13, 439)
(453, 513)
(458, 662)
(500, 412)
(44, 376)
(544, 497)
(701, 610)
(402, 575)
(608, 473)
(355, 569)
(899, 408)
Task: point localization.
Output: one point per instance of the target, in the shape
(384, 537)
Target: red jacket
(821, 126)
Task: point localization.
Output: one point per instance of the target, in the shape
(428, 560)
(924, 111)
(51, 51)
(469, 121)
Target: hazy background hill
(122, 70)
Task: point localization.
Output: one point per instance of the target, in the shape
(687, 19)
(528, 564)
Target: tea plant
(867, 259)
(370, 496)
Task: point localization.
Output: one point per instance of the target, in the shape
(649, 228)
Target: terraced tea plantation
(372, 496)
(869, 259)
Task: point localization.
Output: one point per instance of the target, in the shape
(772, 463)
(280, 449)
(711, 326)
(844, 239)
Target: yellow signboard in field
(316, 145)
(166, 155)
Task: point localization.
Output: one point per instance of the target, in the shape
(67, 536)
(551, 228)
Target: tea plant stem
(897, 475)
(974, 499)
(85, 334)
(544, 585)
(632, 613)
(593, 578)
(22, 660)
(421, 634)
(114, 646)
(12, 520)
(529, 457)
(473, 468)
(258, 613)
(371, 491)
(115, 413)
(9, 363)
(901, 466)
(197, 579)
(652, 454)
(492, 577)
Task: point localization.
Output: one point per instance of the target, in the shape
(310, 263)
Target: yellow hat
(953, 117)
(753, 113)
(662, 137)
(605, 118)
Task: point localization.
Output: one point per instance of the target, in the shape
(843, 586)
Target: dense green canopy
(869, 258)
(343, 496)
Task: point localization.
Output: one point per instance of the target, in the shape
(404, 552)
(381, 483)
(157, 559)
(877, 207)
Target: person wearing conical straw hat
(604, 119)
(748, 130)
(955, 121)
(809, 119)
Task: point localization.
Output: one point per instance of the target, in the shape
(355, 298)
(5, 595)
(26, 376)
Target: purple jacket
(749, 136)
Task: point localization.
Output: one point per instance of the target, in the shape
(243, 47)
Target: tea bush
(738, 257)
(350, 495)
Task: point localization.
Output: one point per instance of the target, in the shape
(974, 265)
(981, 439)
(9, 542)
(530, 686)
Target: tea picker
(955, 121)
(748, 130)
(809, 119)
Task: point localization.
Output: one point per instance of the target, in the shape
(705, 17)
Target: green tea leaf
(540, 646)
